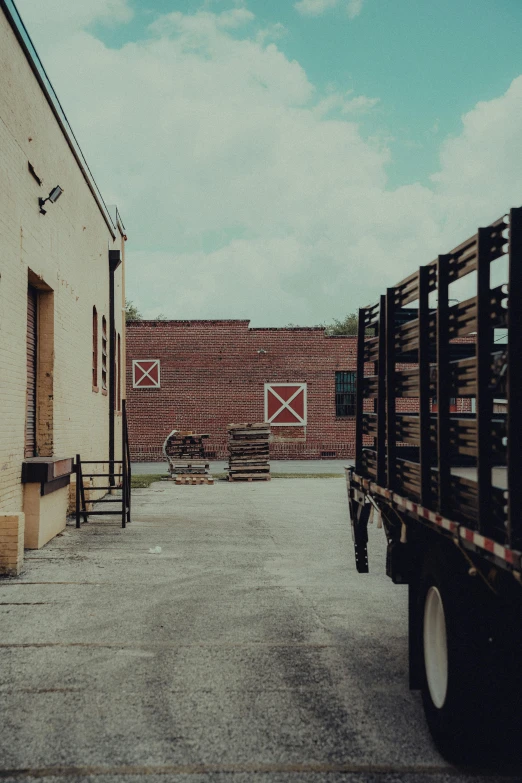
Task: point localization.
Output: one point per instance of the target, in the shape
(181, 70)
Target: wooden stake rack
(462, 465)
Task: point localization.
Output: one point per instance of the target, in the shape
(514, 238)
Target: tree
(347, 326)
(131, 312)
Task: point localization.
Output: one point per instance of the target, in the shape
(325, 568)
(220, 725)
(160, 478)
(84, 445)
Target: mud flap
(360, 514)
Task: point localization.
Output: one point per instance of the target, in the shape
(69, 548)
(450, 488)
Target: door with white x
(285, 404)
(145, 373)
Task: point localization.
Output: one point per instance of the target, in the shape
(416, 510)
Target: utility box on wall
(203, 375)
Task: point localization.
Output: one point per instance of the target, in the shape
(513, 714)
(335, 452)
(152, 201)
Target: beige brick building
(61, 263)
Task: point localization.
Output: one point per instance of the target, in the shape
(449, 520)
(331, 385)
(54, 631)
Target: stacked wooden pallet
(191, 472)
(185, 453)
(248, 447)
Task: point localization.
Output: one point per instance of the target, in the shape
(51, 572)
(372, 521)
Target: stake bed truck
(439, 463)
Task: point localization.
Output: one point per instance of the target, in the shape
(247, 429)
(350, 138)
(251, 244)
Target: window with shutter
(94, 349)
(104, 355)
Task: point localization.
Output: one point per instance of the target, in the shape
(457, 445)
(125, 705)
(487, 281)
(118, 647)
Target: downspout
(114, 262)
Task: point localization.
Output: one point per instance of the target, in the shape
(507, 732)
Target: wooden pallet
(190, 463)
(252, 477)
(192, 480)
(177, 471)
(250, 471)
(249, 452)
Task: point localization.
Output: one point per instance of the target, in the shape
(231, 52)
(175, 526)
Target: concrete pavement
(248, 651)
(277, 466)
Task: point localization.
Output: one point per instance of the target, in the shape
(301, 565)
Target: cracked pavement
(248, 650)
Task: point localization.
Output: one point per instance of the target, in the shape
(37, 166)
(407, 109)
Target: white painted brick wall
(68, 248)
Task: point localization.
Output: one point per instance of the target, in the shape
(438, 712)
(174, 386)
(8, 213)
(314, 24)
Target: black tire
(462, 704)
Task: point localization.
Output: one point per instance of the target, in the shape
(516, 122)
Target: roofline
(24, 39)
(116, 218)
(209, 321)
(190, 321)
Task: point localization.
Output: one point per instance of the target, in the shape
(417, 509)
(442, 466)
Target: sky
(284, 161)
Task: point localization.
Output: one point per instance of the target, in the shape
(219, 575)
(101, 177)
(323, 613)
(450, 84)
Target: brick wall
(212, 375)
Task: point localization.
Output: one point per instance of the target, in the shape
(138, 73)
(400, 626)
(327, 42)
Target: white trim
(146, 373)
(302, 420)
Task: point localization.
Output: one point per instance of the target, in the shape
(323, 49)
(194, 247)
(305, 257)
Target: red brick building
(203, 375)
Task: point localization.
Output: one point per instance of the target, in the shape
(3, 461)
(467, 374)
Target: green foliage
(131, 312)
(347, 326)
(144, 481)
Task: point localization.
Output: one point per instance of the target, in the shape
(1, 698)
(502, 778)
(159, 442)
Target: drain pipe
(114, 262)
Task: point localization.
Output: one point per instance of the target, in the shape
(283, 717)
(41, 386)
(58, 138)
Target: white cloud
(482, 166)
(314, 7)
(318, 7)
(236, 17)
(345, 104)
(354, 8)
(202, 24)
(274, 32)
(245, 192)
(53, 20)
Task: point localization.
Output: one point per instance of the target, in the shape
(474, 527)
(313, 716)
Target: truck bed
(431, 438)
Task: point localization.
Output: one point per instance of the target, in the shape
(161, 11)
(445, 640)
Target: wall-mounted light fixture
(262, 351)
(53, 196)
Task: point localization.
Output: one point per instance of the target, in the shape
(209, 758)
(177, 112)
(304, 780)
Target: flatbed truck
(439, 463)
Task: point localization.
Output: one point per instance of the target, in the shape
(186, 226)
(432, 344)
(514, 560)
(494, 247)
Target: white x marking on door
(146, 373)
(286, 404)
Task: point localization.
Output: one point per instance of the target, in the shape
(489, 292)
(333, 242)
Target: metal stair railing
(124, 475)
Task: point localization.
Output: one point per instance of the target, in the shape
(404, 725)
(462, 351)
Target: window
(345, 393)
(94, 349)
(104, 355)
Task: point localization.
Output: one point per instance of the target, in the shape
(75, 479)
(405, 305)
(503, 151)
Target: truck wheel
(452, 649)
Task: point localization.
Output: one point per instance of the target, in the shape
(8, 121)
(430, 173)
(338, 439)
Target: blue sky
(426, 62)
(281, 160)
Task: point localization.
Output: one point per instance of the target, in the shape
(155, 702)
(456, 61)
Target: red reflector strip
(478, 540)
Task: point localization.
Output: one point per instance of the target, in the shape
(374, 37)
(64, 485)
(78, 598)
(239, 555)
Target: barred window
(345, 393)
